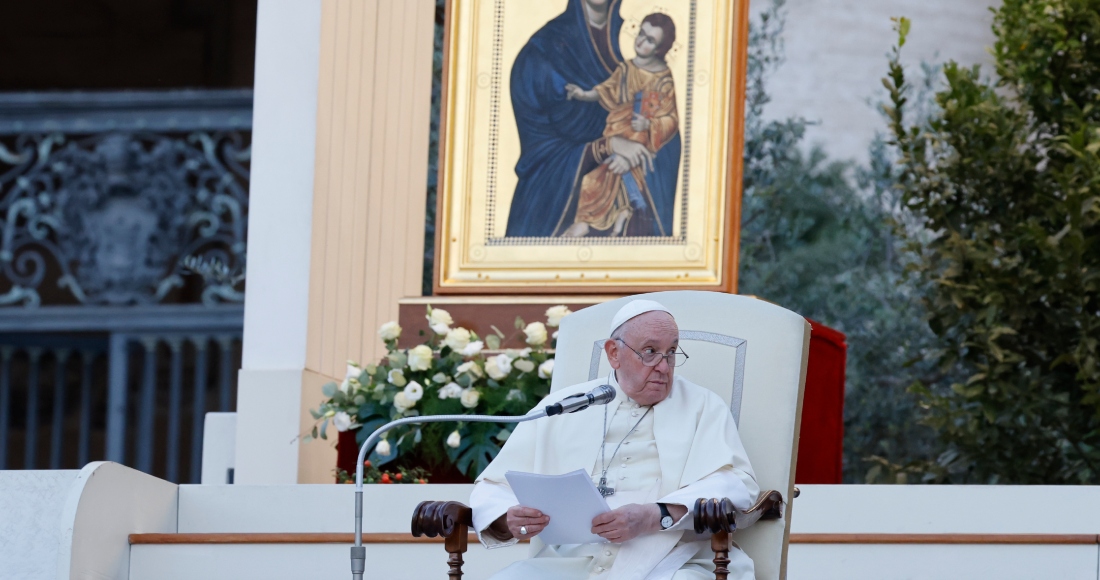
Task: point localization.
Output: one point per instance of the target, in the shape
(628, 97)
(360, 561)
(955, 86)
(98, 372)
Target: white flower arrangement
(454, 372)
(554, 314)
(420, 358)
(391, 330)
(536, 333)
(546, 369)
(439, 320)
(457, 339)
(450, 391)
(469, 398)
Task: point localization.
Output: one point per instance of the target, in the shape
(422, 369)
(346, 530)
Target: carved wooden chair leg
(717, 517)
(720, 543)
(449, 519)
(456, 546)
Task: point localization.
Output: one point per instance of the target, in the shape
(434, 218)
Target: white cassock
(685, 448)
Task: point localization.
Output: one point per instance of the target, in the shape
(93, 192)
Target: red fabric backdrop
(821, 440)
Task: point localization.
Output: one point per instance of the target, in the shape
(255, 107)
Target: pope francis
(662, 443)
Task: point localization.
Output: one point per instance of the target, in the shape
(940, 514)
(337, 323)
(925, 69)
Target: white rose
(383, 448)
(454, 440)
(554, 314)
(351, 378)
(341, 421)
(524, 365)
(420, 358)
(413, 391)
(536, 333)
(389, 331)
(471, 368)
(498, 366)
(440, 321)
(546, 369)
(469, 398)
(515, 395)
(450, 391)
(472, 349)
(402, 402)
(457, 339)
(396, 377)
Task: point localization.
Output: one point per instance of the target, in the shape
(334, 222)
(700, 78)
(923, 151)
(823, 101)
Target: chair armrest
(720, 515)
(441, 518)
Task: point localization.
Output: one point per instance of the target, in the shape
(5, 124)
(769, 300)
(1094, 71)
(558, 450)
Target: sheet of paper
(571, 500)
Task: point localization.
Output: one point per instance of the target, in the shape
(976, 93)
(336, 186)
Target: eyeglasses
(652, 358)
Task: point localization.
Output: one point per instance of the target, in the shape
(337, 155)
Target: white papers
(571, 501)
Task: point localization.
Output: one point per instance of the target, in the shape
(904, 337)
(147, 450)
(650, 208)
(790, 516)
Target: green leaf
(328, 390)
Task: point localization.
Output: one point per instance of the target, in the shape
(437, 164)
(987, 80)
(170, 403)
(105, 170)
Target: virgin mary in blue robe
(557, 135)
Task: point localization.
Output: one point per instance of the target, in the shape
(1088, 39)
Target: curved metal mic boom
(601, 395)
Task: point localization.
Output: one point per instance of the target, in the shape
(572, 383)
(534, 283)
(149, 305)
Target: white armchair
(753, 354)
(750, 352)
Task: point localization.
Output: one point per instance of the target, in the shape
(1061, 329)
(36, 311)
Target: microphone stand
(358, 551)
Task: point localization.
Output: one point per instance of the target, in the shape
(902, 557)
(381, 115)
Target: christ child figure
(641, 103)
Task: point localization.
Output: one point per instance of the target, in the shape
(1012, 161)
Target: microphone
(601, 395)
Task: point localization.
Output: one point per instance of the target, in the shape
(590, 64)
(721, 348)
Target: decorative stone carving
(109, 216)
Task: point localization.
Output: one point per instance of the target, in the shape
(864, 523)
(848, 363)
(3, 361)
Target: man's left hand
(627, 522)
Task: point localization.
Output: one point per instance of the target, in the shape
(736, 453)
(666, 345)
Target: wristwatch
(666, 518)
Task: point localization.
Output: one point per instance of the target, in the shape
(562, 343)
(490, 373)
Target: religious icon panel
(590, 145)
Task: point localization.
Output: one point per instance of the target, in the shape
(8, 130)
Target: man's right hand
(530, 519)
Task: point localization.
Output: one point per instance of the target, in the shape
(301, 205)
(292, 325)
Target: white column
(288, 39)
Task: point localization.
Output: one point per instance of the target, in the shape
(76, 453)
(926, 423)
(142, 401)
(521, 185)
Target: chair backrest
(753, 354)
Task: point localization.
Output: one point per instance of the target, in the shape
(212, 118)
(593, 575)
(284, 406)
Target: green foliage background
(1002, 184)
(817, 236)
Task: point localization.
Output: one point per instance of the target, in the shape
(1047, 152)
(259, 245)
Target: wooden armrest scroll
(720, 515)
(449, 519)
(441, 518)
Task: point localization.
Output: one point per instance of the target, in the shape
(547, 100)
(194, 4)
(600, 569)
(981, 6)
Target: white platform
(74, 526)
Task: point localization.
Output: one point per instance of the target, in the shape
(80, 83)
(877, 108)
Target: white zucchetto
(634, 308)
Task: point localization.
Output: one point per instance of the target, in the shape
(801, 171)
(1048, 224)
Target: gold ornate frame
(479, 146)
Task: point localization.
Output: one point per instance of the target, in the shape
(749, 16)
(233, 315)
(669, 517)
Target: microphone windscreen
(603, 395)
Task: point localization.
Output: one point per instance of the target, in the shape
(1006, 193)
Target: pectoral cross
(603, 489)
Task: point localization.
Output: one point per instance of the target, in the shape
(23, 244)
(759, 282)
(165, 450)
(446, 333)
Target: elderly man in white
(660, 445)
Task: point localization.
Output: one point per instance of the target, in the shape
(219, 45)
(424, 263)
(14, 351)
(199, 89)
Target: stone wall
(836, 57)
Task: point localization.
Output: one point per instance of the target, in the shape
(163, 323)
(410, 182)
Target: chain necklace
(604, 464)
